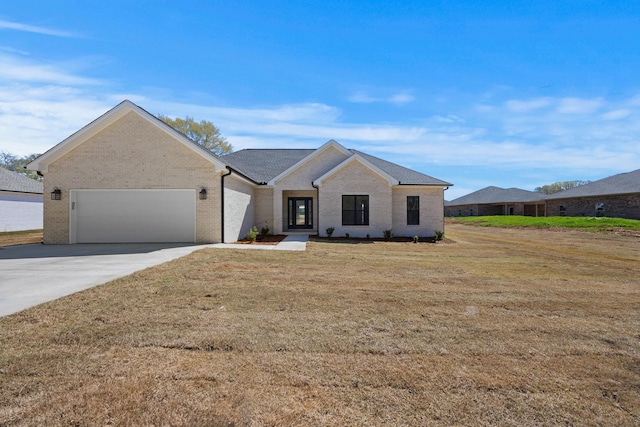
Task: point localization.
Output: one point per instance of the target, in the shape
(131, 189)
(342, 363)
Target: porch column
(277, 211)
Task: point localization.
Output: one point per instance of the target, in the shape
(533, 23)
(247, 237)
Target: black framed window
(413, 210)
(355, 210)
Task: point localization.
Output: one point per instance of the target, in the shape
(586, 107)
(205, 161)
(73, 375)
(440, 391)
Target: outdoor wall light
(203, 194)
(56, 194)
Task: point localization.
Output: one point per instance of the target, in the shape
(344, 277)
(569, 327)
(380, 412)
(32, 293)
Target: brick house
(497, 201)
(129, 177)
(616, 196)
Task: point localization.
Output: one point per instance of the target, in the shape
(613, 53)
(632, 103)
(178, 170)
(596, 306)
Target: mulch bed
(269, 239)
(343, 239)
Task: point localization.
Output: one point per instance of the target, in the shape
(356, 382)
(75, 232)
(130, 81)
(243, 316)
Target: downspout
(317, 187)
(222, 203)
(443, 207)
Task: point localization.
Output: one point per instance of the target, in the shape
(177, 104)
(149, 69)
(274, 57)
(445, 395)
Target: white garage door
(132, 216)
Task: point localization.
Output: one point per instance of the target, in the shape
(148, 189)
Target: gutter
(317, 187)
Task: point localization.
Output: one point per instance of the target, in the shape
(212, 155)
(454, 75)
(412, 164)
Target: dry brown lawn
(500, 327)
(20, 237)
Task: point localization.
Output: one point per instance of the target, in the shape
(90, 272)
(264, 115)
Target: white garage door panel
(120, 216)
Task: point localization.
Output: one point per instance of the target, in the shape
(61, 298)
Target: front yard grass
(604, 224)
(501, 327)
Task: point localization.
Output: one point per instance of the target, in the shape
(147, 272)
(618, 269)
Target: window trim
(363, 214)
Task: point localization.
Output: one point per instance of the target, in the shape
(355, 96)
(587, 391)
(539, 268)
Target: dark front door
(300, 212)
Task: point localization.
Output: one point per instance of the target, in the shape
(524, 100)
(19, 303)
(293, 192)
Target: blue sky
(477, 93)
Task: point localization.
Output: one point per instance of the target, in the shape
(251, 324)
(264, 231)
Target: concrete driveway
(33, 274)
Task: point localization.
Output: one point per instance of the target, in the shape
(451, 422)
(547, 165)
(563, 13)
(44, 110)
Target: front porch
(299, 213)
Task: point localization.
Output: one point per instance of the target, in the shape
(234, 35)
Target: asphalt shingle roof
(406, 176)
(623, 183)
(12, 181)
(262, 165)
(492, 194)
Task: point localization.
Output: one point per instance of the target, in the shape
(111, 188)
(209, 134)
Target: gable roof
(326, 146)
(265, 165)
(116, 113)
(623, 183)
(405, 176)
(367, 164)
(495, 195)
(13, 181)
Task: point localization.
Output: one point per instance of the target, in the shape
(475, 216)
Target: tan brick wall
(132, 154)
(301, 178)
(264, 207)
(431, 210)
(355, 179)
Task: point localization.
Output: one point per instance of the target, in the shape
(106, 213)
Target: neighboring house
(497, 201)
(129, 177)
(615, 196)
(20, 202)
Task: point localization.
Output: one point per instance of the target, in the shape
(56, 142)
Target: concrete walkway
(34, 274)
(296, 242)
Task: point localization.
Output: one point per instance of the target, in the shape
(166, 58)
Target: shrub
(439, 235)
(264, 230)
(346, 235)
(415, 239)
(388, 234)
(252, 234)
(330, 231)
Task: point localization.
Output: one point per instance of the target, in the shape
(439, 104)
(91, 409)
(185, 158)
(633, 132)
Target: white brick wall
(431, 210)
(301, 179)
(355, 179)
(239, 208)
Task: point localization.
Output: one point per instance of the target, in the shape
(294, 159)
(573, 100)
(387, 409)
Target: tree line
(557, 187)
(19, 164)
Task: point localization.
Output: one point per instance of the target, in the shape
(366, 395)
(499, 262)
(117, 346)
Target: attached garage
(132, 216)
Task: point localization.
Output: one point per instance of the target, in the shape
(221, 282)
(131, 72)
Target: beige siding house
(129, 177)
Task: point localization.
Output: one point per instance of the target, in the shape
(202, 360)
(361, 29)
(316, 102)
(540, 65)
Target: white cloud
(17, 26)
(400, 98)
(449, 118)
(616, 114)
(13, 50)
(362, 98)
(527, 106)
(579, 105)
(22, 70)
